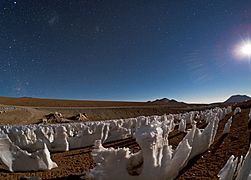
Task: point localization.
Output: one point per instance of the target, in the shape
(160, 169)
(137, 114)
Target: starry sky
(124, 50)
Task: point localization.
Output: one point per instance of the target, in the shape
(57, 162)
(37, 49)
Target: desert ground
(74, 163)
(31, 110)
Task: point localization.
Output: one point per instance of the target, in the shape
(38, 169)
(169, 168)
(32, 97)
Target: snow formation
(157, 159)
(227, 126)
(240, 170)
(16, 159)
(33, 143)
(237, 110)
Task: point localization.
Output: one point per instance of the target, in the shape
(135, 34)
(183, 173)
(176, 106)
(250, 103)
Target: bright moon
(246, 49)
(242, 51)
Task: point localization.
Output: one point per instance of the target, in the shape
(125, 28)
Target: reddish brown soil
(32, 110)
(208, 165)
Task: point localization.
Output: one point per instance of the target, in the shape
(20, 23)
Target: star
(53, 20)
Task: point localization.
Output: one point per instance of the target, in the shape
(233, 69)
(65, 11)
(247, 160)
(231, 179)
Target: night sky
(124, 50)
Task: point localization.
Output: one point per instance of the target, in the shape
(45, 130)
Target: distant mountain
(165, 101)
(237, 99)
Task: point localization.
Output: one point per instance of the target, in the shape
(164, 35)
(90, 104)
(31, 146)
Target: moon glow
(243, 50)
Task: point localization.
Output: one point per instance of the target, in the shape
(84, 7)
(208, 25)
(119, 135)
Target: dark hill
(237, 99)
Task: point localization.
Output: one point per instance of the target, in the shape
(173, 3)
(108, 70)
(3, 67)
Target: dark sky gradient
(124, 50)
